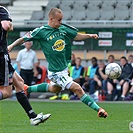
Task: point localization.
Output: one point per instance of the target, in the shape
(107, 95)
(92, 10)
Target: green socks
(89, 102)
(43, 87)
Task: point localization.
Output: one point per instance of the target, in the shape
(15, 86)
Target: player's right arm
(29, 36)
(15, 43)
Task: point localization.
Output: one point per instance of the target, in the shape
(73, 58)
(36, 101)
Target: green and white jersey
(55, 44)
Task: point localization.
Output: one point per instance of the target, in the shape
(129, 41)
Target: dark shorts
(6, 70)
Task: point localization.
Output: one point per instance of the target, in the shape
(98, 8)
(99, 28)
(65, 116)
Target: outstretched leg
(76, 88)
(87, 99)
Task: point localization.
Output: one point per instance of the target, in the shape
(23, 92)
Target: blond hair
(53, 11)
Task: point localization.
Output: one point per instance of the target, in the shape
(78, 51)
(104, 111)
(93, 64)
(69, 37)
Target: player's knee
(50, 88)
(54, 89)
(18, 82)
(6, 93)
(20, 85)
(78, 91)
(76, 88)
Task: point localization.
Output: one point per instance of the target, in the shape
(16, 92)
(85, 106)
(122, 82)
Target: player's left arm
(81, 36)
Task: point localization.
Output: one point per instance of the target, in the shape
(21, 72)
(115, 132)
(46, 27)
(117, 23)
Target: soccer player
(55, 40)
(8, 76)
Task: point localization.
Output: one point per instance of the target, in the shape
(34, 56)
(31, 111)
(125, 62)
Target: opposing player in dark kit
(8, 76)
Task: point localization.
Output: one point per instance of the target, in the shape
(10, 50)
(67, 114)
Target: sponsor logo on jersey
(59, 45)
(55, 36)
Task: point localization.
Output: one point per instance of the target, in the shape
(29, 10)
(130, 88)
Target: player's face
(57, 20)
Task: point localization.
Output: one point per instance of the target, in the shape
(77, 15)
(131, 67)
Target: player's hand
(9, 48)
(102, 113)
(95, 36)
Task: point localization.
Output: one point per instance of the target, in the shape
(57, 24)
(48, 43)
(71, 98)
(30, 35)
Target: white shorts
(60, 79)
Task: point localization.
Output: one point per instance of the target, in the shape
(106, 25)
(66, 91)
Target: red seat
(44, 74)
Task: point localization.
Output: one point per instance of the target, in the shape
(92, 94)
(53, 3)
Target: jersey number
(63, 79)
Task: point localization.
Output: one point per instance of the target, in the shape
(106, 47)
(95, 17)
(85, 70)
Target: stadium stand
(21, 10)
(37, 15)
(93, 10)
(66, 7)
(107, 11)
(79, 10)
(51, 3)
(6, 2)
(80, 13)
(122, 11)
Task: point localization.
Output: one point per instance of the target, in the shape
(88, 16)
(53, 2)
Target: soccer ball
(113, 70)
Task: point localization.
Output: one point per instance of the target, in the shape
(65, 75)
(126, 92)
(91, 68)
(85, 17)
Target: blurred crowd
(92, 78)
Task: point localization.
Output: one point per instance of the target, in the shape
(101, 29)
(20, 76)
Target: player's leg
(5, 92)
(23, 100)
(54, 88)
(5, 88)
(86, 99)
(62, 79)
(43, 87)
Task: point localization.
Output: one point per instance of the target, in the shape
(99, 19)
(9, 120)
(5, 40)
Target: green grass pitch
(67, 117)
